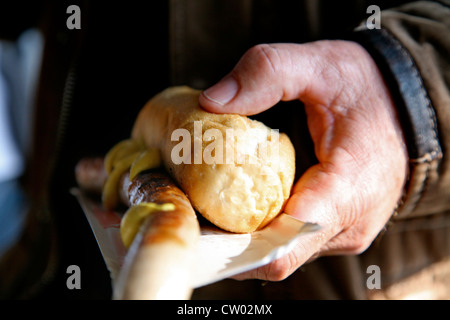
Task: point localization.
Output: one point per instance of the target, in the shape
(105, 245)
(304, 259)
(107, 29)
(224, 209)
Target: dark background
(95, 80)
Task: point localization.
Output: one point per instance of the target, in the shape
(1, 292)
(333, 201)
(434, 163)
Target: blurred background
(68, 93)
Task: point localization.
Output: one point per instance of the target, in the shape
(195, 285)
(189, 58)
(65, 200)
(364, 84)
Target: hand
(353, 190)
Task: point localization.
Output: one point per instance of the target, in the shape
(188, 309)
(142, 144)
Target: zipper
(44, 213)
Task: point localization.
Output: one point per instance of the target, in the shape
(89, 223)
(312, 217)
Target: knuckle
(359, 245)
(275, 274)
(349, 242)
(279, 269)
(265, 57)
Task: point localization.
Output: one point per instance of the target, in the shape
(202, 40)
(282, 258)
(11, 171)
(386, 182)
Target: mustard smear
(148, 159)
(126, 155)
(135, 216)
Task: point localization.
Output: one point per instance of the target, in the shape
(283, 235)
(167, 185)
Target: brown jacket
(123, 55)
(412, 49)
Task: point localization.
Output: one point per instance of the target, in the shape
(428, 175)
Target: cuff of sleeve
(415, 110)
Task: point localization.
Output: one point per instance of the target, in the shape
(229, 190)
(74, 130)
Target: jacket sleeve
(412, 50)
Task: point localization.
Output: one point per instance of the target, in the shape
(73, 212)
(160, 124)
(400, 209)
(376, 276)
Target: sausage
(162, 254)
(90, 174)
(158, 264)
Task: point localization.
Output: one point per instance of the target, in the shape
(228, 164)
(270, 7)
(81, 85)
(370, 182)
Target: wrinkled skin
(354, 189)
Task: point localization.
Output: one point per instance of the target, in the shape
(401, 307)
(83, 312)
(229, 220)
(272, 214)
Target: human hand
(353, 190)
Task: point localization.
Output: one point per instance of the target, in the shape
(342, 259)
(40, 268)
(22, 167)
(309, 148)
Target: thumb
(265, 75)
(313, 200)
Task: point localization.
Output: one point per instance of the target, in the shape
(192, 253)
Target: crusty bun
(238, 196)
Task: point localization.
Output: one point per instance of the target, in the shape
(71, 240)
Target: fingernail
(222, 92)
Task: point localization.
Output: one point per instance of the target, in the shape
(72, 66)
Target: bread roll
(236, 193)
